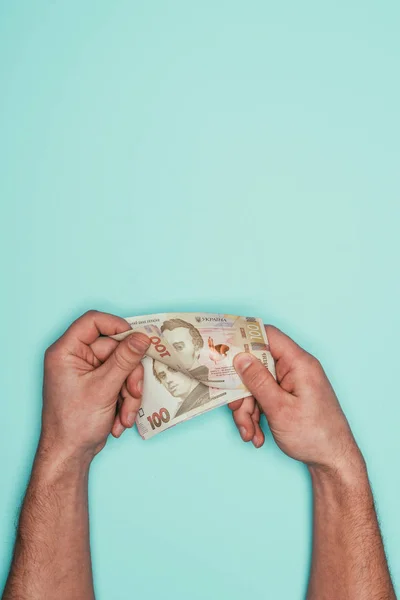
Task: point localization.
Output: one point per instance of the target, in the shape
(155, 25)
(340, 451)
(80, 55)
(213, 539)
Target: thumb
(125, 358)
(259, 381)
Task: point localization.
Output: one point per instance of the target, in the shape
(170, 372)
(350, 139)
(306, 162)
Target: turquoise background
(224, 156)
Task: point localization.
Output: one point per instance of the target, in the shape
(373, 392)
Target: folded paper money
(188, 368)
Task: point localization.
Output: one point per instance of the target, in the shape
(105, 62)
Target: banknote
(189, 364)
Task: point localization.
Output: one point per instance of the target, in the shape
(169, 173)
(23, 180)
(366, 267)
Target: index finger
(282, 346)
(92, 324)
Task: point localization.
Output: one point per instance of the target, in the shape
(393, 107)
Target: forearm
(348, 560)
(52, 553)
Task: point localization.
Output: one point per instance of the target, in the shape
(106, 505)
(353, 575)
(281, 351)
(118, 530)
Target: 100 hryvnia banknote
(189, 364)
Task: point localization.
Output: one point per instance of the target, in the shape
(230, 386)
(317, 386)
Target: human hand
(301, 407)
(85, 376)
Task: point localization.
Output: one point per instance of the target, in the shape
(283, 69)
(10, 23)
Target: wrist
(55, 461)
(63, 447)
(346, 477)
(342, 460)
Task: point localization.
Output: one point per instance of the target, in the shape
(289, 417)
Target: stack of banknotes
(189, 364)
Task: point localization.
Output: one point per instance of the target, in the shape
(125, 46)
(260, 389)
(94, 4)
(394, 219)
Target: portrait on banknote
(199, 355)
(188, 393)
(187, 342)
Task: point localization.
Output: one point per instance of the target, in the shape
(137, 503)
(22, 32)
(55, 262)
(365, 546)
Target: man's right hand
(301, 407)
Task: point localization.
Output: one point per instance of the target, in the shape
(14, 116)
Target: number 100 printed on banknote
(189, 364)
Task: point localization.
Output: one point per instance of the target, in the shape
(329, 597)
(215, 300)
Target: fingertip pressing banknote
(188, 368)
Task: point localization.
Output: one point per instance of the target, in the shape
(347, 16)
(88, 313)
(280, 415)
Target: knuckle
(91, 313)
(51, 354)
(312, 369)
(314, 363)
(318, 365)
(309, 362)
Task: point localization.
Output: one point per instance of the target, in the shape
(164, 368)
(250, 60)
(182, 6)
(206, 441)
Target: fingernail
(138, 342)
(243, 432)
(119, 429)
(257, 443)
(243, 361)
(131, 418)
(140, 386)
